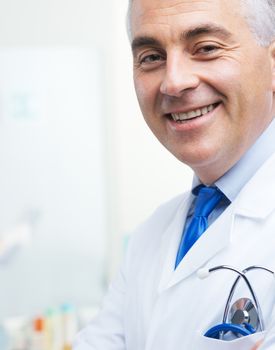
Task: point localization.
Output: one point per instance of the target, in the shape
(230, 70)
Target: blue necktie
(207, 199)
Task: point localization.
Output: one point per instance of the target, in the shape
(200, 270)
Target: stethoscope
(245, 316)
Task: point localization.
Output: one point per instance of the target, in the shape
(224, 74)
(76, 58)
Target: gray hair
(259, 14)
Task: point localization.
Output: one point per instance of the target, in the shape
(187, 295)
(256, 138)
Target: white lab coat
(152, 307)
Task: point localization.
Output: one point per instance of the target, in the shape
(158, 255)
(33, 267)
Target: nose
(179, 76)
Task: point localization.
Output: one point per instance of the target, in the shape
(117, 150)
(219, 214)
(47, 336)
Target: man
(204, 73)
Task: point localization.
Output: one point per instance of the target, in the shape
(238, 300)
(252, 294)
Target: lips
(183, 116)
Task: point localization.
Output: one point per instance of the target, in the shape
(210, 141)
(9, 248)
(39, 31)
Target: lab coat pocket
(243, 343)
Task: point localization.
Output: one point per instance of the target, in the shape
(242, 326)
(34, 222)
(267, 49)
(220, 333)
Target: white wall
(51, 166)
(74, 216)
(140, 173)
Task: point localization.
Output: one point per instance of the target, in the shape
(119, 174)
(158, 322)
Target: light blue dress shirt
(235, 178)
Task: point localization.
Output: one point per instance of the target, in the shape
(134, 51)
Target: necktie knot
(208, 198)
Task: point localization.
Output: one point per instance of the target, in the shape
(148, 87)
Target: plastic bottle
(38, 336)
(70, 325)
(53, 330)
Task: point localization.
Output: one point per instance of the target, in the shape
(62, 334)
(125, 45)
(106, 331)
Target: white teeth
(210, 108)
(183, 116)
(192, 114)
(198, 112)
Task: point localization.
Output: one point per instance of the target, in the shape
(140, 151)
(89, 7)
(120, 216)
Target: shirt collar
(235, 178)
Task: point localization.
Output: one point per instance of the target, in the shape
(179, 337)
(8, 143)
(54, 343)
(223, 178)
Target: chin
(197, 158)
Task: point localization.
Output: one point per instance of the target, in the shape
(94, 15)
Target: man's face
(204, 85)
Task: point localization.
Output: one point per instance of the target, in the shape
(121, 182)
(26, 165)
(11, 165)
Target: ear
(272, 58)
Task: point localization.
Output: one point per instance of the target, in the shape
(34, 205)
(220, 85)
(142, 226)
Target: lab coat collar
(257, 198)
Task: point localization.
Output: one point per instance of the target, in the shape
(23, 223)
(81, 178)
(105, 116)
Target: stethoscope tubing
(241, 274)
(230, 296)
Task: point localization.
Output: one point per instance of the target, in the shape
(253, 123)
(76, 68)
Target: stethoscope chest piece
(241, 320)
(243, 311)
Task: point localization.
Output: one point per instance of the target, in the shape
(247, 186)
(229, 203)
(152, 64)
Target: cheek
(147, 91)
(257, 92)
(256, 77)
(243, 88)
(140, 92)
(224, 76)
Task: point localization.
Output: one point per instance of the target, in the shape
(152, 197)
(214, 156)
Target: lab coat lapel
(215, 238)
(170, 242)
(256, 201)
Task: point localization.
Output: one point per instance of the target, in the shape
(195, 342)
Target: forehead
(168, 14)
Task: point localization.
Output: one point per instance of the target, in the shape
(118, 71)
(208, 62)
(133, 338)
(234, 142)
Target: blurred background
(79, 169)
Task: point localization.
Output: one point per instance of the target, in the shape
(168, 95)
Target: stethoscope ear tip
(203, 273)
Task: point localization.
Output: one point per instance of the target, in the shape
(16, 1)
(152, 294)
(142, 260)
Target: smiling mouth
(182, 117)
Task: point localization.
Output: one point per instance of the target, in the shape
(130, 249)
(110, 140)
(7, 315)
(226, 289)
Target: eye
(207, 49)
(149, 59)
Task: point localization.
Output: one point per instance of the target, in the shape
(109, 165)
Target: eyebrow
(206, 29)
(189, 34)
(142, 41)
